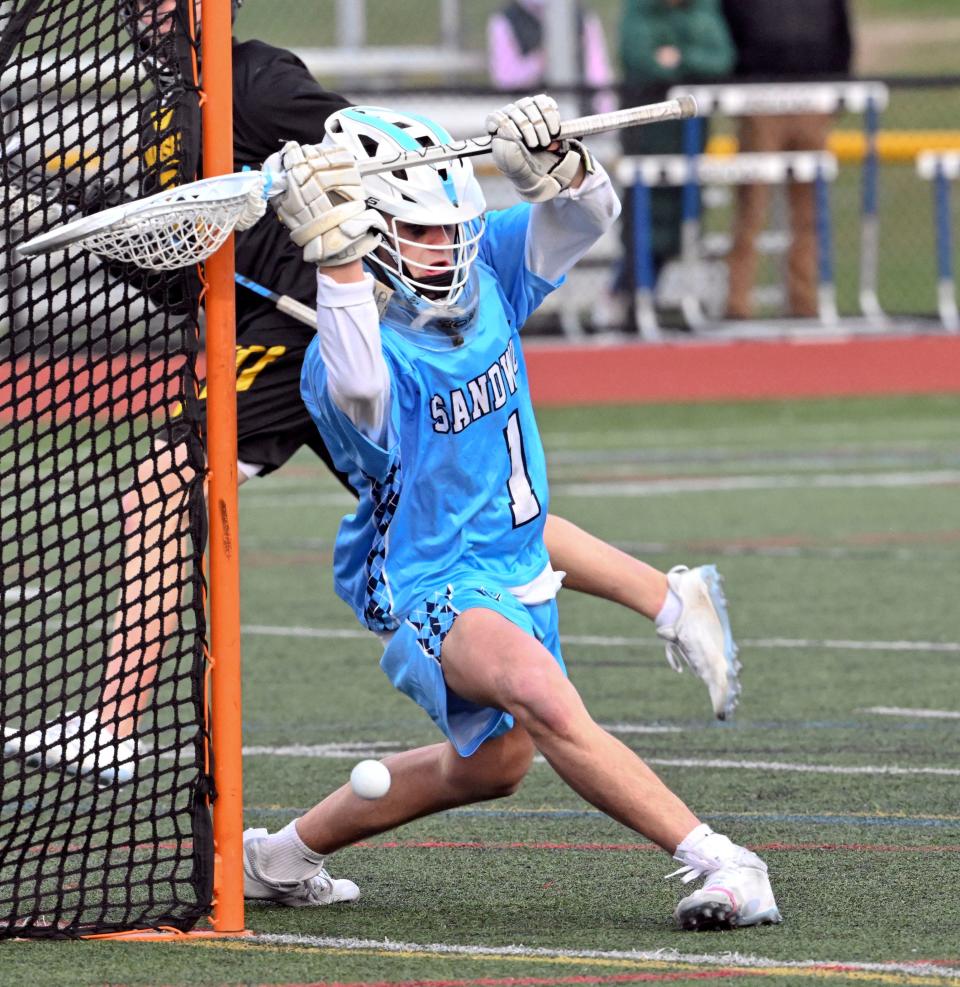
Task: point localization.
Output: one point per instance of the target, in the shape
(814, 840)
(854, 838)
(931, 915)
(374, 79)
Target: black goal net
(104, 780)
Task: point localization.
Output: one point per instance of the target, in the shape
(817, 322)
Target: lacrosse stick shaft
(297, 310)
(630, 116)
(598, 123)
(284, 303)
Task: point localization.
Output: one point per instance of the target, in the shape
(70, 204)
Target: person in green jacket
(665, 43)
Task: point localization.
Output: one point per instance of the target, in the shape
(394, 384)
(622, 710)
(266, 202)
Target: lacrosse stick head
(175, 228)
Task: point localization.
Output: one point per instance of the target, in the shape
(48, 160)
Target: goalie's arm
(562, 230)
(325, 210)
(574, 202)
(348, 327)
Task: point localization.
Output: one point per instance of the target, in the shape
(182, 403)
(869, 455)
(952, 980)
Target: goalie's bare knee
(540, 697)
(496, 770)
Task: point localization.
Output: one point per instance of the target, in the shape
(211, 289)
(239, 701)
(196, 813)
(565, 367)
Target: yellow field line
(818, 973)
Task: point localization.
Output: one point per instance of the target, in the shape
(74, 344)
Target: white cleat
(735, 895)
(701, 637)
(318, 889)
(82, 746)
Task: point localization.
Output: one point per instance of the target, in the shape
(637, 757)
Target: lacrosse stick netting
(169, 230)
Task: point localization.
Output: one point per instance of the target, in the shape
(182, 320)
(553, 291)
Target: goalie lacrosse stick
(186, 224)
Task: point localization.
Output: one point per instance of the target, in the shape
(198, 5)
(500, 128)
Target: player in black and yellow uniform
(274, 99)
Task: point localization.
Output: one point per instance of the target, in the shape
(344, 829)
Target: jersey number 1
(523, 501)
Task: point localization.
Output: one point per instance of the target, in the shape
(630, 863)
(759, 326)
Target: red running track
(78, 387)
(731, 370)
(560, 374)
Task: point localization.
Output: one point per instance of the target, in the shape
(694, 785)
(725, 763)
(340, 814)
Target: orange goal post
(222, 499)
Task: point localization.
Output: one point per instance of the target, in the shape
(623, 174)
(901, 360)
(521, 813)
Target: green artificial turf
(841, 581)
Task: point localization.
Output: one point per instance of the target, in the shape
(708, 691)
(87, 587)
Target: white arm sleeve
(562, 230)
(348, 324)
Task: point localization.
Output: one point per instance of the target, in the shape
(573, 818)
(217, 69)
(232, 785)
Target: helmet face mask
(434, 326)
(434, 212)
(151, 24)
(147, 12)
(432, 261)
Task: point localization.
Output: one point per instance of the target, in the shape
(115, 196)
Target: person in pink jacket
(516, 54)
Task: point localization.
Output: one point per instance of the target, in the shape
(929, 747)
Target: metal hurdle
(868, 98)
(678, 170)
(942, 168)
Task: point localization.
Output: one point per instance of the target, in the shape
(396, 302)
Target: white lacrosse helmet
(444, 194)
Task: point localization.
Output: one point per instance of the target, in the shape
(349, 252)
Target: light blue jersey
(458, 491)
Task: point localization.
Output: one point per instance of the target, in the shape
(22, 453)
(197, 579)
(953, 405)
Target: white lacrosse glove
(521, 133)
(324, 206)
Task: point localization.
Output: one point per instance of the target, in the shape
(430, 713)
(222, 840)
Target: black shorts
(272, 420)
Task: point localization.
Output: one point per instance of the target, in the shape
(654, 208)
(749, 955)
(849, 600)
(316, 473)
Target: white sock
(669, 612)
(285, 857)
(704, 850)
(692, 839)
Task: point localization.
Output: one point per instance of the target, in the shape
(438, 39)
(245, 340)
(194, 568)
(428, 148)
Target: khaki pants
(798, 132)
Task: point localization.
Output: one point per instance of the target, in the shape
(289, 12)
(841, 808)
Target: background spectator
(516, 55)
(663, 43)
(783, 40)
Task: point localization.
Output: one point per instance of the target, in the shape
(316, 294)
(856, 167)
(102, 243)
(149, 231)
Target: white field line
(640, 955)
(357, 749)
(25, 593)
(825, 769)
(638, 728)
(843, 437)
(921, 455)
(382, 748)
(721, 484)
(667, 486)
(928, 714)
(751, 462)
(604, 641)
(852, 551)
(946, 647)
(265, 630)
(20, 593)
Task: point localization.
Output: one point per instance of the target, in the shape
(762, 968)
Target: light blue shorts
(412, 659)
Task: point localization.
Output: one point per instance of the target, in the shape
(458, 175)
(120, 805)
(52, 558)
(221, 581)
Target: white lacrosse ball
(370, 779)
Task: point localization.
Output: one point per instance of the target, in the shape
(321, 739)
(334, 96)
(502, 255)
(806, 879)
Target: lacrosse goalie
(416, 380)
